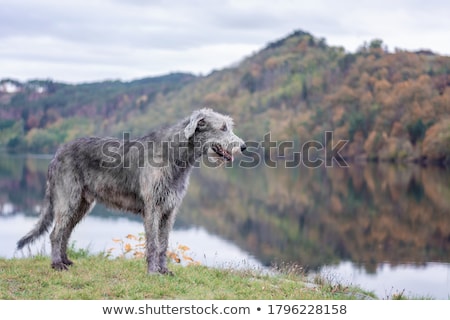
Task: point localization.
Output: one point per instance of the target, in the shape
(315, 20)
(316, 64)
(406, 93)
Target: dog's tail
(44, 223)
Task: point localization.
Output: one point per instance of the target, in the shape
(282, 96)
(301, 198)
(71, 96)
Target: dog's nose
(243, 147)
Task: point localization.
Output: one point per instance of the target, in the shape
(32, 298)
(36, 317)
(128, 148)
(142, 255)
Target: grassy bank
(97, 277)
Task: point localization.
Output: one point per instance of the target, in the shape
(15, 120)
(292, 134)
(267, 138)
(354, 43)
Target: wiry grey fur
(147, 176)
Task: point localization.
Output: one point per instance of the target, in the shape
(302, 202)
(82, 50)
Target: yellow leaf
(127, 247)
(183, 247)
(131, 236)
(187, 258)
(117, 240)
(173, 256)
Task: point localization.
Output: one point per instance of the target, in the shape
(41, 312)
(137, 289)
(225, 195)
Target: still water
(383, 227)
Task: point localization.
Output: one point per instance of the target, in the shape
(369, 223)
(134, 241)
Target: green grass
(97, 277)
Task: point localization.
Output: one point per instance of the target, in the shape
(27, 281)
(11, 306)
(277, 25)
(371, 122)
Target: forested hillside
(389, 105)
(39, 115)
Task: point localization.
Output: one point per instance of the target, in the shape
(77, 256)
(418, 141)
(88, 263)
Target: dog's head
(213, 132)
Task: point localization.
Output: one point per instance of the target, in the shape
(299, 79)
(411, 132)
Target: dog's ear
(197, 120)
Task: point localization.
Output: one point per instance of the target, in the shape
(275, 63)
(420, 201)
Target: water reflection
(431, 280)
(365, 215)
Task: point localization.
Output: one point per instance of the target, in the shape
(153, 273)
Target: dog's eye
(224, 127)
(201, 123)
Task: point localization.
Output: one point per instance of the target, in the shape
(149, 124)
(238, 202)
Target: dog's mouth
(217, 148)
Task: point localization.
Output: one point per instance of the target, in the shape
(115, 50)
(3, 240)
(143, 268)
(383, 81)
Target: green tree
(416, 131)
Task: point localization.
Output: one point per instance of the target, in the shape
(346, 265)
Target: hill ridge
(390, 105)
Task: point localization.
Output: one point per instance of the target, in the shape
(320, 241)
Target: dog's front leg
(152, 218)
(164, 230)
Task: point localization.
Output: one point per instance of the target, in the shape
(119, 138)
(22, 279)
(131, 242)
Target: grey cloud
(118, 36)
(180, 25)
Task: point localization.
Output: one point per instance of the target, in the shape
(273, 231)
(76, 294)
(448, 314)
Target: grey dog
(147, 176)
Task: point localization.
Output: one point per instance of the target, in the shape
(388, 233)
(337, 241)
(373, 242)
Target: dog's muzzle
(219, 150)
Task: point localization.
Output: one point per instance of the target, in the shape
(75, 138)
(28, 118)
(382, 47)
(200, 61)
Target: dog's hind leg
(66, 220)
(84, 208)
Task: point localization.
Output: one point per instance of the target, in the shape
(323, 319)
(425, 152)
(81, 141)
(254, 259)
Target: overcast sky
(93, 40)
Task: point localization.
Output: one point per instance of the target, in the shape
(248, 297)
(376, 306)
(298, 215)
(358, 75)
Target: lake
(383, 227)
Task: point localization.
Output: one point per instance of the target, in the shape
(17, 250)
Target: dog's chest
(165, 188)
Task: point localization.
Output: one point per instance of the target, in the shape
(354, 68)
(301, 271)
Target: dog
(148, 176)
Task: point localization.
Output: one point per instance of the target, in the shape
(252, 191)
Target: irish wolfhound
(147, 176)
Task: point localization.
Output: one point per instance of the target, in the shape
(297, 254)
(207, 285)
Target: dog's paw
(67, 262)
(59, 266)
(166, 272)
